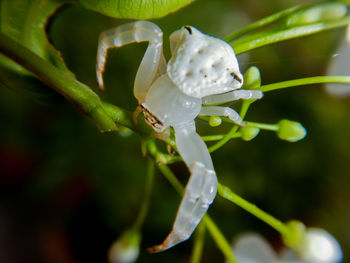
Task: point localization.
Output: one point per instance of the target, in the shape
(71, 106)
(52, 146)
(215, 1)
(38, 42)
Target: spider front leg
(232, 96)
(153, 63)
(200, 190)
(222, 111)
(227, 97)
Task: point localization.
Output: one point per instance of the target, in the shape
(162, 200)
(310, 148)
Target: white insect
(203, 70)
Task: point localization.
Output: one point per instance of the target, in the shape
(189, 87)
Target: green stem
(77, 93)
(218, 137)
(124, 118)
(274, 35)
(245, 106)
(305, 81)
(226, 193)
(168, 174)
(198, 244)
(167, 158)
(146, 196)
(261, 23)
(264, 126)
(220, 239)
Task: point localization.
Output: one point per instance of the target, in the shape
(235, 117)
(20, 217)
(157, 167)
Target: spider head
(202, 65)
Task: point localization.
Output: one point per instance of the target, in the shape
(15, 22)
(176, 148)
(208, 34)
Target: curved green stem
(218, 137)
(77, 93)
(226, 193)
(168, 174)
(105, 115)
(198, 244)
(220, 239)
(146, 196)
(125, 118)
(305, 81)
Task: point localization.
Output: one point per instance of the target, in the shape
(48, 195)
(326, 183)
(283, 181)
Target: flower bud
(290, 131)
(252, 79)
(126, 248)
(319, 13)
(215, 121)
(249, 133)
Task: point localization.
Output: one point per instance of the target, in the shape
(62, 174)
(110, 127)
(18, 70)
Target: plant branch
(263, 126)
(226, 193)
(305, 81)
(218, 137)
(76, 92)
(198, 244)
(220, 239)
(146, 196)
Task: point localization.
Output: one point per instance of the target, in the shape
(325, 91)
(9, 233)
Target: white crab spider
(202, 70)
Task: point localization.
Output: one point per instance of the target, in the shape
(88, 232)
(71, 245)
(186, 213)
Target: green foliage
(30, 63)
(318, 13)
(25, 21)
(136, 9)
(303, 20)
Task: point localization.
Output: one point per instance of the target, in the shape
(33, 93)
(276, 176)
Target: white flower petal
(321, 247)
(340, 65)
(252, 248)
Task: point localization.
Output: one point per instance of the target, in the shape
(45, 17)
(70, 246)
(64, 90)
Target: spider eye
(234, 75)
(189, 29)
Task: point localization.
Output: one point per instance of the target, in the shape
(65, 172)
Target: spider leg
(200, 190)
(222, 111)
(153, 63)
(231, 96)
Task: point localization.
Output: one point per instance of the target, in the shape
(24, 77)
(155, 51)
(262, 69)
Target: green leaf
(135, 9)
(25, 21)
(76, 92)
(326, 11)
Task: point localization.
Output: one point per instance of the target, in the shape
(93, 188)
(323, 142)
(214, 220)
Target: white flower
(340, 65)
(319, 247)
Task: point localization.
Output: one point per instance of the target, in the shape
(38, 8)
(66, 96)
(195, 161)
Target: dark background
(67, 191)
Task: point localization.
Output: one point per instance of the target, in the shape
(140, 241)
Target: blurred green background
(68, 191)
